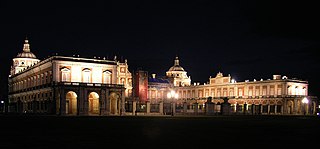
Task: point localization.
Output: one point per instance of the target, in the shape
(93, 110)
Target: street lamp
(305, 101)
(172, 95)
(3, 106)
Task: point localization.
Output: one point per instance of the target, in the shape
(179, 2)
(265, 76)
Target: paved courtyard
(159, 131)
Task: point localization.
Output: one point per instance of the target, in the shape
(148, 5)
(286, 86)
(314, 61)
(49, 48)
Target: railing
(89, 84)
(67, 84)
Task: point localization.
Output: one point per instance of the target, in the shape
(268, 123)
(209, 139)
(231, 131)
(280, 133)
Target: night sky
(246, 39)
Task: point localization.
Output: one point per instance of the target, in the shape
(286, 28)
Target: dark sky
(246, 39)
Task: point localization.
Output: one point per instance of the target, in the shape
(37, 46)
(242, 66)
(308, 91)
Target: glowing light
(176, 96)
(305, 100)
(169, 95)
(173, 94)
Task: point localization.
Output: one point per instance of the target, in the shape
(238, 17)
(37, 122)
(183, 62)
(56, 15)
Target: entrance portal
(94, 107)
(71, 103)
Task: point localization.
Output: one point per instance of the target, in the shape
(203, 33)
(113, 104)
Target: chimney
(276, 77)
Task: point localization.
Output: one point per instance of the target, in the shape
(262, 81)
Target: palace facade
(224, 95)
(62, 85)
(68, 85)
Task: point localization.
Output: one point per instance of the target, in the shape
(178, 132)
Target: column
(56, 98)
(284, 106)
(295, 107)
(173, 108)
(122, 102)
(134, 108)
(62, 102)
(185, 107)
(245, 108)
(161, 107)
(85, 101)
(103, 102)
(148, 107)
(253, 109)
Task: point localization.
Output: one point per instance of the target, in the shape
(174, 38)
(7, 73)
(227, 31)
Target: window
(86, 75)
(257, 92)
(279, 91)
(122, 81)
(107, 76)
(250, 92)
(271, 91)
(240, 92)
(231, 93)
(264, 91)
(65, 74)
(122, 70)
(224, 93)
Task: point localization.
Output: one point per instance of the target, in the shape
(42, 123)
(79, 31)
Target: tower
(23, 60)
(177, 75)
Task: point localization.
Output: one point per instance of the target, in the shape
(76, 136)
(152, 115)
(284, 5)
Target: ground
(158, 131)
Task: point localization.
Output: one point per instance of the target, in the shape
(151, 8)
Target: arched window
(86, 75)
(296, 90)
(65, 74)
(107, 77)
(289, 90)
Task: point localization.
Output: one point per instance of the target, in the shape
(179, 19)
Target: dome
(26, 51)
(26, 55)
(176, 66)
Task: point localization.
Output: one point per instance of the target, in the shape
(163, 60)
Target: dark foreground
(159, 132)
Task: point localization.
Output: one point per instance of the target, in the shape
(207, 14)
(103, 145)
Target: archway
(94, 107)
(290, 107)
(71, 103)
(114, 99)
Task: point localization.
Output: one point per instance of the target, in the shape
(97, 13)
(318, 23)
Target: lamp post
(305, 101)
(172, 95)
(3, 106)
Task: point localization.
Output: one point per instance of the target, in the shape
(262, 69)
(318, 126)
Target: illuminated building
(83, 86)
(68, 85)
(177, 75)
(223, 95)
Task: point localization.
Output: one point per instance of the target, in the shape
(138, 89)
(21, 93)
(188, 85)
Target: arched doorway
(114, 99)
(290, 107)
(71, 103)
(94, 107)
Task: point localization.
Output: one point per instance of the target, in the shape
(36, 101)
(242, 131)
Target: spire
(26, 46)
(176, 61)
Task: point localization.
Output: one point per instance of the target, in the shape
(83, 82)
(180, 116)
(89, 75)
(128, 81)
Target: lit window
(86, 75)
(65, 74)
(107, 76)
